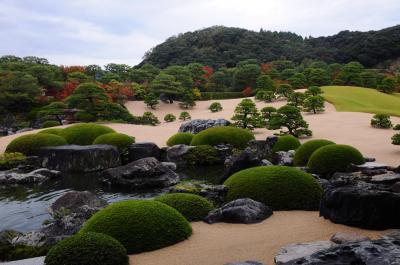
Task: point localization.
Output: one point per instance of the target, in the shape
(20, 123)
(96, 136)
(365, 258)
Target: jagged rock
(367, 166)
(77, 158)
(369, 159)
(373, 172)
(265, 162)
(75, 199)
(283, 158)
(245, 211)
(249, 262)
(141, 150)
(348, 177)
(396, 187)
(212, 192)
(385, 251)
(361, 204)
(177, 153)
(224, 151)
(246, 159)
(388, 178)
(342, 237)
(295, 251)
(38, 176)
(143, 173)
(170, 165)
(198, 125)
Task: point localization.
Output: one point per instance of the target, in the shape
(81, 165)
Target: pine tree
(314, 104)
(247, 115)
(151, 100)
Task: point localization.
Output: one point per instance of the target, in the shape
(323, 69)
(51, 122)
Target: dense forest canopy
(225, 46)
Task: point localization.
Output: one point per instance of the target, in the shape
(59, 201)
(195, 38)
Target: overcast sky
(81, 32)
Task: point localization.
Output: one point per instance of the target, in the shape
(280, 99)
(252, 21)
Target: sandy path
(218, 244)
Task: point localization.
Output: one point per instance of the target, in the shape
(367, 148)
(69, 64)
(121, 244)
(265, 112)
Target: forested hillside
(225, 46)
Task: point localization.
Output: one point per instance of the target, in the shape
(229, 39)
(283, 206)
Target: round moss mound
(84, 133)
(88, 249)
(304, 152)
(191, 206)
(286, 143)
(31, 143)
(279, 187)
(55, 131)
(140, 225)
(48, 124)
(180, 138)
(202, 155)
(334, 158)
(119, 140)
(237, 137)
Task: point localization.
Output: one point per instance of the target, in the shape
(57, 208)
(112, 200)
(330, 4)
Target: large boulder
(143, 173)
(77, 158)
(244, 211)
(38, 176)
(283, 158)
(299, 250)
(342, 237)
(198, 125)
(246, 159)
(361, 204)
(177, 153)
(141, 150)
(263, 148)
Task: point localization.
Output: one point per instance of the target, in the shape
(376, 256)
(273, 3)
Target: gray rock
(224, 151)
(388, 178)
(32, 261)
(212, 192)
(141, 150)
(296, 251)
(249, 262)
(143, 173)
(283, 158)
(396, 187)
(265, 162)
(369, 159)
(170, 165)
(246, 159)
(198, 125)
(73, 200)
(345, 237)
(245, 211)
(177, 153)
(367, 166)
(38, 176)
(76, 158)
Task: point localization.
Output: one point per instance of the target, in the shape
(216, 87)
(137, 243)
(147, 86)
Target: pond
(25, 208)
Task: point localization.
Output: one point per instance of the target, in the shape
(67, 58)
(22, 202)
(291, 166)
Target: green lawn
(361, 99)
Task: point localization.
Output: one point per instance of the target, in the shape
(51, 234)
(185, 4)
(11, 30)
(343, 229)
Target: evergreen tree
(290, 118)
(247, 115)
(151, 100)
(314, 104)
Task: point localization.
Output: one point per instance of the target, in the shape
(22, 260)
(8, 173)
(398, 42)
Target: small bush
(85, 117)
(119, 140)
(149, 118)
(9, 252)
(169, 118)
(140, 225)
(396, 139)
(88, 249)
(381, 121)
(48, 124)
(279, 187)
(11, 160)
(192, 207)
(286, 143)
(237, 137)
(334, 158)
(55, 131)
(304, 152)
(397, 127)
(84, 133)
(215, 107)
(184, 116)
(30, 144)
(180, 138)
(202, 155)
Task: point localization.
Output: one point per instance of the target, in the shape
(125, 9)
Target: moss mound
(334, 158)
(119, 140)
(286, 143)
(31, 143)
(237, 137)
(55, 131)
(304, 152)
(180, 138)
(88, 249)
(193, 207)
(140, 225)
(84, 133)
(48, 124)
(279, 187)
(202, 155)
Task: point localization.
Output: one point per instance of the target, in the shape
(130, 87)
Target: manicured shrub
(85, 117)
(55, 131)
(10, 252)
(180, 138)
(237, 137)
(169, 118)
(48, 124)
(184, 116)
(381, 121)
(149, 118)
(202, 155)
(215, 107)
(396, 127)
(334, 158)
(87, 249)
(140, 225)
(31, 143)
(84, 133)
(304, 152)
(279, 187)
(286, 143)
(119, 140)
(193, 207)
(396, 139)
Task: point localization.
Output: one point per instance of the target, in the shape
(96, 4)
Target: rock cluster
(38, 176)
(198, 125)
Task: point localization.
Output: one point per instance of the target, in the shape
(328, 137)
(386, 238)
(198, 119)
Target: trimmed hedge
(334, 158)
(279, 187)
(48, 124)
(202, 155)
(286, 143)
(304, 152)
(119, 140)
(140, 225)
(55, 131)
(30, 144)
(87, 249)
(84, 133)
(237, 137)
(192, 207)
(180, 138)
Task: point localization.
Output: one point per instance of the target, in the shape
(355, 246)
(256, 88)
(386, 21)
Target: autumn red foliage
(208, 71)
(67, 90)
(266, 67)
(73, 68)
(247, 92)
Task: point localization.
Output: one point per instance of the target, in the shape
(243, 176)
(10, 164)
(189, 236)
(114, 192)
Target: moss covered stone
(119, 140)
(304, 152)
(180, 138)
(286, 143)
(30, 144)
(237, 137)
(84, 133)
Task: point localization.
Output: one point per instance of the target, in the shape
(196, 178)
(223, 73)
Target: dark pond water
(25, 208)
